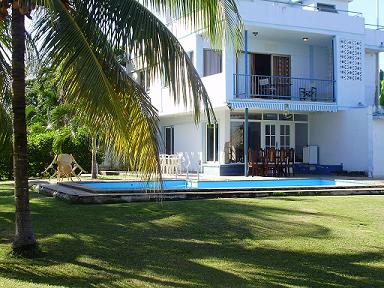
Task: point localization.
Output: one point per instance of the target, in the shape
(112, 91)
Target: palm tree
(80, 37)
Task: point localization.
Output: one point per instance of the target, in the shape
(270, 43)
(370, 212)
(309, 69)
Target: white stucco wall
(378, 148)
(190, 139)
(296, 18)
(304, 57)
(371, 76)
(349, 93)
(339, 4)
(187, 138)
(374, 39)
(342, 137)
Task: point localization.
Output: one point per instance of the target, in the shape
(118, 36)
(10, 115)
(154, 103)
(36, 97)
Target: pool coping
(79, 185)
(74, 195)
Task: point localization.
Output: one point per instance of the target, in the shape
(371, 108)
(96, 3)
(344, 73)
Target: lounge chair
(66, 167)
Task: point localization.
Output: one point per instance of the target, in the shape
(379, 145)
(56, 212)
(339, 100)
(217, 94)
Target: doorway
(278, 135)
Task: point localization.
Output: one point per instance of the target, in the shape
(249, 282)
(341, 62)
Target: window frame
(172, 140)
(215, 147)
(191, 56)
(324, 7)
(205, 54)
(144, 80)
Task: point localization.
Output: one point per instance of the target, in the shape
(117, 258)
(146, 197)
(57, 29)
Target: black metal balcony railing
(284, 88)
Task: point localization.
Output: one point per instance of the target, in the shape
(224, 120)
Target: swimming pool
(209, 185)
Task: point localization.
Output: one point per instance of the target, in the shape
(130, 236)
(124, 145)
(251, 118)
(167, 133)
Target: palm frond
(5, 87)
(106, 98)
(5, 52)
(80, 37)
(128, 24)
(218, 20)
(5, 127)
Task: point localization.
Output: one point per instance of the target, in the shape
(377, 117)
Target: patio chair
(170, 164)
(290, 161)
(162, 163)
(282, 165)
(251, 163)
(66, 167)
(266, 88)
(307, 94)
(260, 162)
(271, 163)
(313, 93)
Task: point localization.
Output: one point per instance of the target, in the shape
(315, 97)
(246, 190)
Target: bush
(80, 148)
(382, 93)
(40, 153)
(6, 170)
(42, 147)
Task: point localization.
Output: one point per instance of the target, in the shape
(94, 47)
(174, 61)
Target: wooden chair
(260, 162)
(251, 163)
(290, 161)
(271, 163)
(282, 162)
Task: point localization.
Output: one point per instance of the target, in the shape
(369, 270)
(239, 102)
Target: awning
(282, 105)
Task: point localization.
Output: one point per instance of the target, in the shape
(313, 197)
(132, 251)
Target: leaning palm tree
(80, 37)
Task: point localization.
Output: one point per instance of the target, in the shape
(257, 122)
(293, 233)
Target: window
(237, 115)
(236, 148)
(144, 79)
(286, 117)
(326, 8)
(301, 117)
(270, 116)
(255, 116)
(301, 140)
(169, 140)
(212, 142)
(251, 116)
(190, 55)
(212, 62)
(285, 136)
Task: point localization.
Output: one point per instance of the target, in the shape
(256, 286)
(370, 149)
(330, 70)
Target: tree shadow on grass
(184, 244)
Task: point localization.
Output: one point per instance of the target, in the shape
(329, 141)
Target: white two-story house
(308, 75)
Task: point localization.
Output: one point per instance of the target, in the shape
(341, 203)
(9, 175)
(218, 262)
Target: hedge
(42, 148)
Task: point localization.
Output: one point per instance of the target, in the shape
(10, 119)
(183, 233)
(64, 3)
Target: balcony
(316, 8)
(293, 16)
(283, 88)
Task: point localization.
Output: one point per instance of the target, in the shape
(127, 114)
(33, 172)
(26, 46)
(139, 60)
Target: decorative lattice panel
(350, 60)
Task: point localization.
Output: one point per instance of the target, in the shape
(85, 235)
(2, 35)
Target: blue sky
(368, 8)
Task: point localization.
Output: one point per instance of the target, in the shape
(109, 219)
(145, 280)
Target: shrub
(6, 169)
(40, 153)
(80, 147)
(42, 147)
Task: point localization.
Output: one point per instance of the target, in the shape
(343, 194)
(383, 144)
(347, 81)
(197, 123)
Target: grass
(274, 242)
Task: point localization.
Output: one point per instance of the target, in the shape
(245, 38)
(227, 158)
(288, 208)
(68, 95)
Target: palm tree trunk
(24, 238)
(94, 160)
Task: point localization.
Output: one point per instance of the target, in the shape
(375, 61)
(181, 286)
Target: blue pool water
(230, 184)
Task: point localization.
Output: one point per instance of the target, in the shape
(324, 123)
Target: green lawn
(275, 242)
